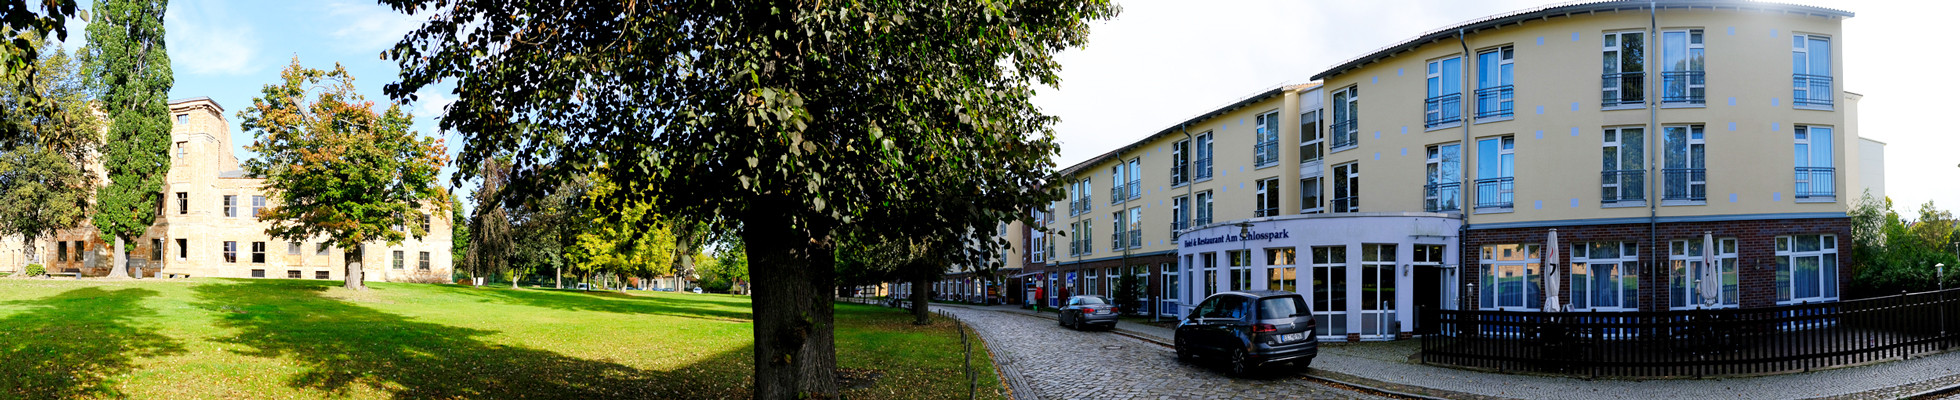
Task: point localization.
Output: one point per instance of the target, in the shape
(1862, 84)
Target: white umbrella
(1551, 272)
(1711, 274)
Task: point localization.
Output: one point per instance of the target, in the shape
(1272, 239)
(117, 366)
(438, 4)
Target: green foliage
(459, 229)
(43, 184)
(21, 31)
(728, 269)
(1129, 288)
(625, 241)
(128, 62)
(1891, 254)
(35, 270)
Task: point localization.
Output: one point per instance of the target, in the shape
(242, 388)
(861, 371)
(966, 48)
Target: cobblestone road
(1058, 363)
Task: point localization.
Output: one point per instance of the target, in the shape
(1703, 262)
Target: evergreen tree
(128, 62)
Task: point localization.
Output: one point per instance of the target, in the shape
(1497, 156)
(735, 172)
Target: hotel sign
(1250, 236)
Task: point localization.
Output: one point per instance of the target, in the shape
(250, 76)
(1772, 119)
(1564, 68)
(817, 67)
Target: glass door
(1330, 292)
(1377, 290)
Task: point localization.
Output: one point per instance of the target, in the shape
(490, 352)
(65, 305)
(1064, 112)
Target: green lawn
(276, 339)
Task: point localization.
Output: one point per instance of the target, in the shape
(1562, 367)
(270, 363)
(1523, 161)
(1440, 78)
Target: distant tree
(129, 63)
(1890, 254)
(459, 231)
(338, 169)
(491, 245)
(628, 241)
(44, 186)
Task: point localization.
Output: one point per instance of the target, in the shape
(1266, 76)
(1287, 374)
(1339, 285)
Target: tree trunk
(795, 350)
(352, 257)
(920, 315)
(558, 276)
(118, 263)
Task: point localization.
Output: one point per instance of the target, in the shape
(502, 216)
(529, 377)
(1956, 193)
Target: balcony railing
(1683, 87)
(1812, 90)
(1204, 168)
(1494, 192)
(1438, 197)
(1177, 226)
(1622, 185)
(1179, 173)
(1684, 184)
(1624, 88)
(1265, 212)
(1265, 153)
(1074, 248)
(1816, 182)
(1346, 204)
(1494, 102)
(1117, 194)
(1136, 238)
(1116, 241)
(1345, 134)
(1136, 189)
(1442, 110)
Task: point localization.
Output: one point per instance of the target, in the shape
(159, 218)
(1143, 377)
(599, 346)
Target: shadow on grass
(69, 345)
(342, 346)
(607, 301)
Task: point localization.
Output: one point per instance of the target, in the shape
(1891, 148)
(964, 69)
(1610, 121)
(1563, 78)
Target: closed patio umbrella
(1711, 273)
(1551, 272)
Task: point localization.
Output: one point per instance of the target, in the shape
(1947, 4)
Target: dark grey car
(1249, 329)
(1089, 311)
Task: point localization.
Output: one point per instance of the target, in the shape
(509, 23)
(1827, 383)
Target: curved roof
(1567, 9)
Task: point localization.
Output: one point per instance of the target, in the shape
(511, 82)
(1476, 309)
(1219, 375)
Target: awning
(1024, 275)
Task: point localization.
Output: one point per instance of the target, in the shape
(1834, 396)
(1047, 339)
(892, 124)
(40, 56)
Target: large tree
(787, 119)
(338, 169)
(128, 63)
(44, 186)
(490, 242)
(22, 28)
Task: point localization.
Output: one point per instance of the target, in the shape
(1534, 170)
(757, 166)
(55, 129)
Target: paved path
(1059, 363)
(1387, 366)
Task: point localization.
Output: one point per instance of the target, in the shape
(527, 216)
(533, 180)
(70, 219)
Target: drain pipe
(1462, 181)
(1653, 135)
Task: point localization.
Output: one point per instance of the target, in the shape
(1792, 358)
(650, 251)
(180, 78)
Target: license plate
(1292, 337)
(1102, 312)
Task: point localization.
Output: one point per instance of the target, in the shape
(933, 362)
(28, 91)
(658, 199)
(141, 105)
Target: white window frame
(1613, 140)
(1204, 209)
(1616, 46)
(1136, 178)
(1117, 190)
(1180, 214)
(1350, 173)
(1692, 48)
(1505, 102)
(1136, 227)
(1181, 163)
(1807, 155)
(1506, 159)
(1827, 269)
(1696, 148)
(1347, 102)
(1435, 173)
(1239, 263)
(1265, 143)
(1622, 267)
(1800, 95)
(1265, 199)
(1313, 199)
(1281, 267)
(1312, 140)
(1684, 258)
(1205, 153)
(1526, 261)
(1435, 116)
(1118, 222)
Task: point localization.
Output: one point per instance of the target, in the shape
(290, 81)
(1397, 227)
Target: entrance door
(1429, 287)
(1330, 292)
(1378, 290)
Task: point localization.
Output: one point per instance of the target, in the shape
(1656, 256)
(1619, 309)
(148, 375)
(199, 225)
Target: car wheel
(1239, 364)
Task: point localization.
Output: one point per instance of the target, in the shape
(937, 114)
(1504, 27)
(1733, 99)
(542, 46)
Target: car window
(1282, 307)
(1206, 308)
(1229, 307)
(1074, 301)
(1092, 300)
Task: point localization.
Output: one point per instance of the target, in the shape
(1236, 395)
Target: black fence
(1696, 343)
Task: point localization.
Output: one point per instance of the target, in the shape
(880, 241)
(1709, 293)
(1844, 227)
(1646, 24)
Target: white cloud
(206, 39)
(369, 27)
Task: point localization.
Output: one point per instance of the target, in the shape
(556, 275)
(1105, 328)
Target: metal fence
(1696, 343)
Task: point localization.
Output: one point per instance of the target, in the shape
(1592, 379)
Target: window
(324, 248)
(1180, 214)
(1210, 263)
(1136, 227)
(1089, 285)
(1181, 162)
(180, 151)
(424, 263)
(258, 252)
(1118, 190)
(231, 251)
(1806, 268)
(320, 275)
(1088, 236)
(258, 206)
(183, 203)
(1377, 286)
(292, 274)
(1345, 130)
(398, 259)
(1265, 202)
(1330, 290)
(1681, 67)
(1310, 196)
(1120, 232)
(231, 206)
(1494, 83)
(1622, 166)
(1816, 179)
(61, 251)
(1686, 270)
(1623, 78)
(1204, 209)
(1441, 191)
(1810, 69)
(292, 248)
(1495, 177)
(1167, 273)
(424, 220)
(183, 249)
(1078, 195)
(1280, 270)
(1241, 273)
(1136, 178)
(1347, 187)
(1444, 104)
(258, 273)
(156, 249)
(1682, 171)
(1037, 249)
(1510, 277)
(1204, 156)
(1605, 276)
(1310, 137)
(183, 119)
(1265, 141)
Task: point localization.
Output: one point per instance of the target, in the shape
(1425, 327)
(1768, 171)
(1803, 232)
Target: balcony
(1265, 212)
(1812, 90)
(1494, 102)
(1178, 226)
(1136, 238)
(1686, 184)
(1816, 183)
(1439, 197)
(1442, 110)
(1136, 189)
(1683, 87)
(1074, 248)
(1204, 168)
(1346, 204)
(1117, 194)
(1345, 134)
(1622, 89)
(1495, 192)
(1265, 153)
(1622, 185)
(1178, 172)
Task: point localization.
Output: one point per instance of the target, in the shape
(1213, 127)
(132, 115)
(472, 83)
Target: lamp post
(1245, 235)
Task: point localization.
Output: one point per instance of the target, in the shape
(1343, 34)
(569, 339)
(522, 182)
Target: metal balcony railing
(1266, 153)
(1179, 173)
(1812, 90)
(1204, 168)
(1684, 184)
(1345, 134)
(1265, 212)
(1494, 102)
(1346, 204)
(1624, 88)
(1074, 247)
(1815, 182)
(1622, 185)
(1116, 241)
(1442, 110)
(1136, 189)
(1683, 87)
(1117, 194)
(1136, 238)
(1495, 192)
(1437, 197)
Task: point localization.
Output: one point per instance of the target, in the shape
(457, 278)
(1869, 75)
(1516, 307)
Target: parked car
(1088, 310)
(697, 290)
(1248, 330)
(582, 286)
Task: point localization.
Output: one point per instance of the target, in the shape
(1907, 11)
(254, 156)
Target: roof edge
(1178, 127)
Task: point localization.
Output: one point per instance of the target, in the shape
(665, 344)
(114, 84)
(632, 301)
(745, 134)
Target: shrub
(36, 270)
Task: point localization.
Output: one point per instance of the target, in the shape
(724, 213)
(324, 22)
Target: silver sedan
(1089, 310)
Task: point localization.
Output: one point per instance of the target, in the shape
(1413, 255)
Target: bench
(174, 275)
(77, 273)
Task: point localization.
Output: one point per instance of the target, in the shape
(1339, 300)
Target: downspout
(1462, 182)
(1653, 134)
(1183, 127)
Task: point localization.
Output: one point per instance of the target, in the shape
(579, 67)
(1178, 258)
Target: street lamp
(1245, 235)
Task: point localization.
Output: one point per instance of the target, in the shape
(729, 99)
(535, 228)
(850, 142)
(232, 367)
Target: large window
(1683, 171)
(1136, 178)
(1280, 270)
(1687, 269)
(1347, 187)
(1444, 104)
(1136, 227)
(1310, 137)
(1494, 83)
(1204, 209)
(258, 208)
(231, 251)
(1622, 169)
(1181, 162)
(1265, 144)
(1810, 70)
(1265, 202)
(231, 206)
(1118, 179)
(1311, 200)
(1495, 175)
(399, 259)
(1241, 272)
(1119, 234)
(1806, 268)
(1204, 156)
(183, 203)
(1622, 80)
(1681, 67)
(1440, 190)
(1345, 129)
(1210, 263)
(1330, 290)
(1605, 276)
(258, 252)
(1180, 214)
(1088, 236)
(1510, 277)
(1816, 178)
(1167, 302)
(1378, 272)
(424, 264)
